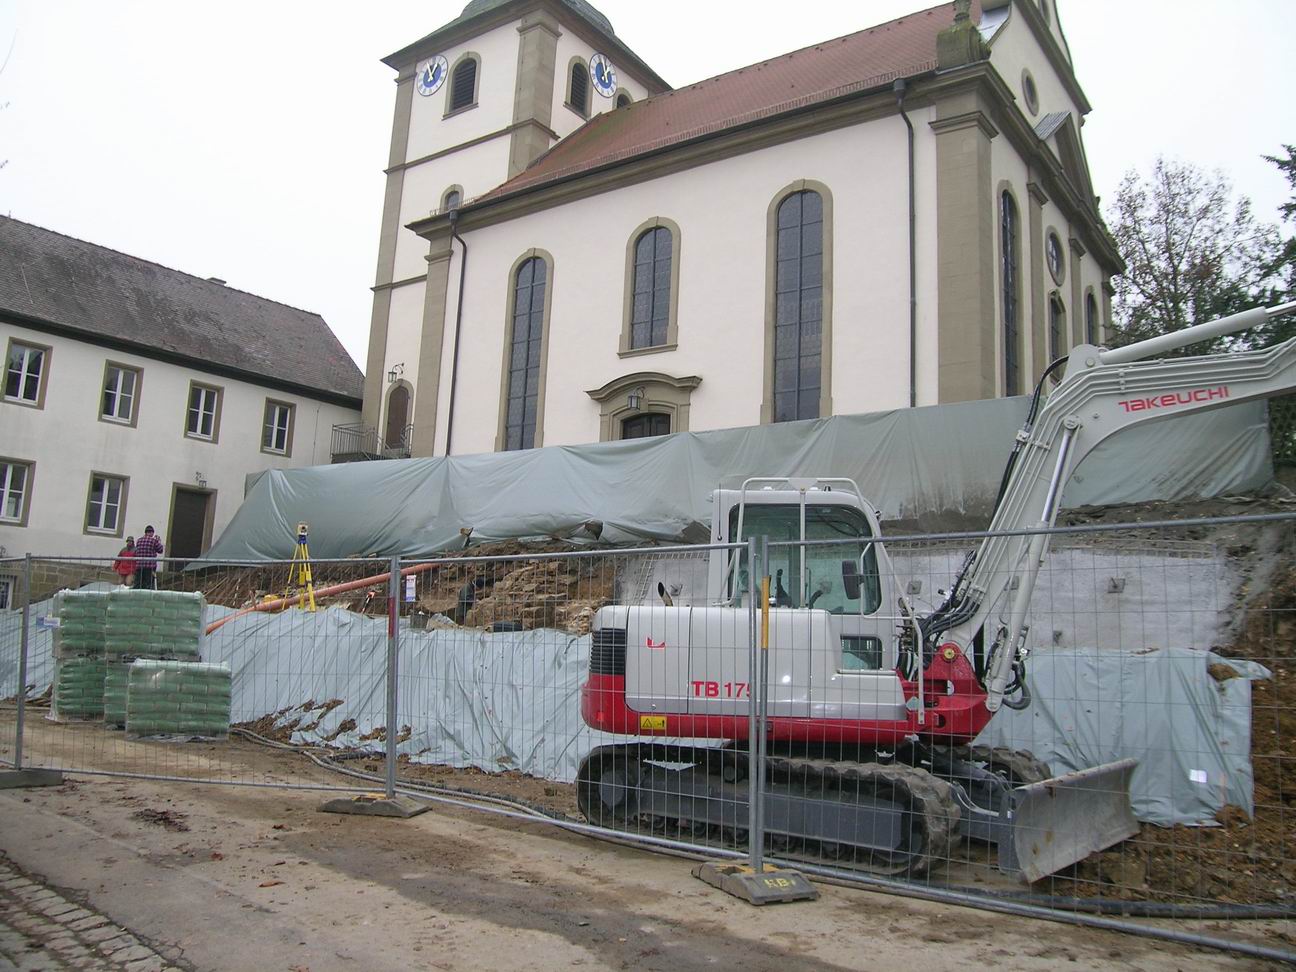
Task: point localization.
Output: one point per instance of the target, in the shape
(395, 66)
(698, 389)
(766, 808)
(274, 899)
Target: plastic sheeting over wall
(940, 465)
(1190, 733)
(511, 701)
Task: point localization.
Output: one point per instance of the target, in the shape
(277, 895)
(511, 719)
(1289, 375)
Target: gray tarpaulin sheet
(940, 465)
(1190, 733)
(511, 701)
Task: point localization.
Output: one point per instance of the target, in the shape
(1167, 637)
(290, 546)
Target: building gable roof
(109, 297)
(862, 61)
(1072, 157)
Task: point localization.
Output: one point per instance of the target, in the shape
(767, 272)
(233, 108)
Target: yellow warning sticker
(654, 723)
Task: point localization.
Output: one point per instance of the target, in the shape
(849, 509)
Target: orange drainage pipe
(282, 602)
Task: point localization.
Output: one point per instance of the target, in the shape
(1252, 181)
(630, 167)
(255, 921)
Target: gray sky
(245, 139)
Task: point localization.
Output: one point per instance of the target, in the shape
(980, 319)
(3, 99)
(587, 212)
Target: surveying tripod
(300, 581)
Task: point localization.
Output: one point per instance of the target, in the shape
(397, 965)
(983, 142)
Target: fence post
(760, 680)
(753, 665)
(22, 663)
(393, 651)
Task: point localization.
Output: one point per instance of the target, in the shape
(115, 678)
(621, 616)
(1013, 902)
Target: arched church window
(645, 426)
(798, 297)
(651, 294)
(1057, 328)
(522, 400)
(1008, 281)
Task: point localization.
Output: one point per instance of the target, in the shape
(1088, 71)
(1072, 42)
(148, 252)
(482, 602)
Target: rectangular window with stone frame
(26, 373)
(106, 504)
(202, 420)
(277, 428)
(120, 394)
(15, 491)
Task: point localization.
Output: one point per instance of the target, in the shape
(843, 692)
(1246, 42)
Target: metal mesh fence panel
(517, 684)
(1165, 650)
(14, 573)
(1139, 766)
(191, 680)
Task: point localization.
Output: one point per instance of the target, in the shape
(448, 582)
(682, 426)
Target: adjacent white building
(573, 252)
(134, 394)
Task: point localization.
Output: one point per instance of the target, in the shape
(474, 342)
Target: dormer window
(578, 88)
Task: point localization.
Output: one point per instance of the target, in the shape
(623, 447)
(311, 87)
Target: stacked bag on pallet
(83, 616)
(114, 692)
(79, 654)
(160, 625)
(178, 698)
(78, 689)
(154, 624)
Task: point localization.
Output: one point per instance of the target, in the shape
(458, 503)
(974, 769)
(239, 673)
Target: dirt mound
(519, 592)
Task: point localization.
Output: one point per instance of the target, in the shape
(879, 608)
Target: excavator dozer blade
(1064, 819)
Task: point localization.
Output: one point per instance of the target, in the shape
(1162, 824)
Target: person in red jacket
(124, 565)
(147, 550)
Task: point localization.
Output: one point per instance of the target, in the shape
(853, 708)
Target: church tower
(476, 102)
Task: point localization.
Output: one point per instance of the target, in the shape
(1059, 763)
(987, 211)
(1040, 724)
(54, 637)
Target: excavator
(870, 708)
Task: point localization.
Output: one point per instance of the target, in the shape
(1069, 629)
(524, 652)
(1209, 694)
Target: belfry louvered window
(798, 295)
(463, 85)
(1008, 273)
(522, 401)
(578, 93)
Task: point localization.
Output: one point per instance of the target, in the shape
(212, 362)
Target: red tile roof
(857, 62)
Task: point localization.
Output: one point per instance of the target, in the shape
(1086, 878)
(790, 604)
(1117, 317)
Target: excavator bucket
(1064, 819)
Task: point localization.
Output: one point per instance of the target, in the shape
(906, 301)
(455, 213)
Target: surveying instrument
(300, 582)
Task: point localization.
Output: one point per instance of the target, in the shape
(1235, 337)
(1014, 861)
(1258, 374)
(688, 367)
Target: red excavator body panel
(954, 712)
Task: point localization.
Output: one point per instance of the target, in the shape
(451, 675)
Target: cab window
(824, 563)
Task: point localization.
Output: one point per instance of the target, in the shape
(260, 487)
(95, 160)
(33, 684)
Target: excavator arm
(1102, 393)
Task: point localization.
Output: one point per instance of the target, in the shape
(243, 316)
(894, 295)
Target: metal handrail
(366, 442)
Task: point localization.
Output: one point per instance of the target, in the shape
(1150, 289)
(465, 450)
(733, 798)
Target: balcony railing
(360, 443)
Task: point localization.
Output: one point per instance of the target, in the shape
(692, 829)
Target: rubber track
(814, 777)
(940, 811)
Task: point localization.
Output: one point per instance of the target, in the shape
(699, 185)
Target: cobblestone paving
(42, 930)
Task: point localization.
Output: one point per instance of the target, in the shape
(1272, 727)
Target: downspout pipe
(900, 88)
(454, 358)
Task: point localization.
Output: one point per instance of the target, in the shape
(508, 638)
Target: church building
(572, 251)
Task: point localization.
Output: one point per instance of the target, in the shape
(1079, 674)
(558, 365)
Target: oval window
(1053, 254)
(1029, 93)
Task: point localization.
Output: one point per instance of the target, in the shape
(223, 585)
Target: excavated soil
(520, 593)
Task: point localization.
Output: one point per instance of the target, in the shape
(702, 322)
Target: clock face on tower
(603, 75)
(430, 75)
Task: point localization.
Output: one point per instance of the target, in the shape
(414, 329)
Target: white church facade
(572, 251)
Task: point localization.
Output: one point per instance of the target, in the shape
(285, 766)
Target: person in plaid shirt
(147, 550)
